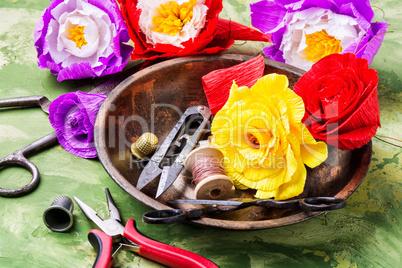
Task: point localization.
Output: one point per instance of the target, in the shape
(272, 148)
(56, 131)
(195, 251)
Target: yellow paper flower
(265, 144)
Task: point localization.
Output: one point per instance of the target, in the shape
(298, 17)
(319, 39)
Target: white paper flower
(78, 39)
(97, 32)
(304, 31)
(311, 22)
(190, 29)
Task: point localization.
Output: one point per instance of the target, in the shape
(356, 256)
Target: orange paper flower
(265, 144)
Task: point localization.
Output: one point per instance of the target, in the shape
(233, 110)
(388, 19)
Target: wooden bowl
(148, 101)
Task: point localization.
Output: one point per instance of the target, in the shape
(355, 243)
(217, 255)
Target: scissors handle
(168, 216)
(322, 203)
(18, 158)
(163, 253)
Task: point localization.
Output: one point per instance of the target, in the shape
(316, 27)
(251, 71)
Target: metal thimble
(145, 145)
(59, 216)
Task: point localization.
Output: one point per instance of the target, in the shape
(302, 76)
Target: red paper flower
(206, 33)
(340, 97)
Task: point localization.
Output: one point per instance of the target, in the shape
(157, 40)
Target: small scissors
(130, 238)
(212, 206)
(19, 157)
(170, 173)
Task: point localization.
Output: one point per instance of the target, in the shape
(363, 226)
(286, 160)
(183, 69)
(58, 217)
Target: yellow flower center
(321, 44)
(172, 17)
(253, 141)
(77, 35)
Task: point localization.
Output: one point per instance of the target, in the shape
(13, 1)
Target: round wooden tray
(148, 101)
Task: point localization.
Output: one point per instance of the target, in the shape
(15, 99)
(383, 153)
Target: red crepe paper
(340, 96)
(216, 36)
(217, 83)
(232, 30)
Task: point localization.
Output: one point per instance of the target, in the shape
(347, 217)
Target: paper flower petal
(217, 83)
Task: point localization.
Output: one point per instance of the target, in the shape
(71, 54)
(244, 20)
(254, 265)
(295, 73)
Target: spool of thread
(208, 175)
(145, 145)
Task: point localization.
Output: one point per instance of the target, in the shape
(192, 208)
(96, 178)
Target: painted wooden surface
(367, 233)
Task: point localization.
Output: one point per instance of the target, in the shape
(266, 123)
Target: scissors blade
(169, 175)
(205, 202)
(150, 172)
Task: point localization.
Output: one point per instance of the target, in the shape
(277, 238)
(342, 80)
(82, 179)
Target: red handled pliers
(130, 238)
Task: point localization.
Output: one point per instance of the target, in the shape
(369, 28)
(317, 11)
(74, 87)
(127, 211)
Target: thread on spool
(209, 176)
(205, 167)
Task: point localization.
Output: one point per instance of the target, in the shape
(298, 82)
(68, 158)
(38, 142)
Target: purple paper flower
(78, 39)
(73, 116)
(305, 31)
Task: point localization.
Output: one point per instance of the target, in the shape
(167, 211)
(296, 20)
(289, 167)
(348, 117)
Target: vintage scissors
(129, 238)
(19, 157)
(218, 206)
(170, 173)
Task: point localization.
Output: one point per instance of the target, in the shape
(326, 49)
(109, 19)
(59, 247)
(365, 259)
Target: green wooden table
(367, 233)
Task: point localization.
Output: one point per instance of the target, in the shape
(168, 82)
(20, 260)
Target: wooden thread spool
(208, 175)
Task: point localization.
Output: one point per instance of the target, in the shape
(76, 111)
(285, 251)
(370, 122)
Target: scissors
(218, 206)
(19, 157)
(170, 173)
(129, 238)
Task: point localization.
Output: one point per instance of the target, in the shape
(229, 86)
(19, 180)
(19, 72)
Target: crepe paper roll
(208, 175)
(217, 83)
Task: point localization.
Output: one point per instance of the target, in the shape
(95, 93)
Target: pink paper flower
(78, 39)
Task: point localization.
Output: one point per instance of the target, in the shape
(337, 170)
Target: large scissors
(19, 157)
(211, 207)
(128, 237)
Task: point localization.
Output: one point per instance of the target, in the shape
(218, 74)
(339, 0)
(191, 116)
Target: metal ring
(322, 203)
(32, 185)
(164, 216)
